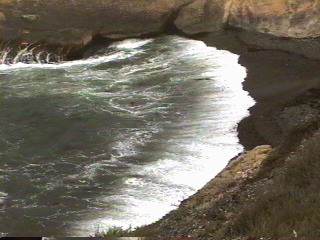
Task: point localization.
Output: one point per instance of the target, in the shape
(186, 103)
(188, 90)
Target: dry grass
(290, 205)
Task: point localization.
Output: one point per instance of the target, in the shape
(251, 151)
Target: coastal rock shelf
(76, 23)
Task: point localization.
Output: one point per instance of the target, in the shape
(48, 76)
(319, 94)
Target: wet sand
(274, 79)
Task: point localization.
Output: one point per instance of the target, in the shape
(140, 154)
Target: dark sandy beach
(274, 78)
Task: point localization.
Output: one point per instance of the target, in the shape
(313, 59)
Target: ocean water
(116, 139)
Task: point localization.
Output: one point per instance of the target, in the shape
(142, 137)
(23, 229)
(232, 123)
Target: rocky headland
(271, 191)
(77, 22)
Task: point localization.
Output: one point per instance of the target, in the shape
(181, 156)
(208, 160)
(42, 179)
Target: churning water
(116, 139)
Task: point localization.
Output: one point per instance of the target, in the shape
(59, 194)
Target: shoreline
(283, 84)
(274, 78)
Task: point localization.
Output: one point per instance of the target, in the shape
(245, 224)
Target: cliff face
(201, 16)
(283, 18)
(77, 22)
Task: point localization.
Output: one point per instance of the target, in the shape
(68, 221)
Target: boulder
(201, 16)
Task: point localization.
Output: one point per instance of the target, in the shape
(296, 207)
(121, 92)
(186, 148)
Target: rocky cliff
(282, 18)
(76, 22)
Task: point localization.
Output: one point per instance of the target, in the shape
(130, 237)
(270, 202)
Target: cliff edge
(77, 22)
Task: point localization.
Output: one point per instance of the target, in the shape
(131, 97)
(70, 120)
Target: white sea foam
(3, 197)
(131, 138)
(202, 142)
(130, 44)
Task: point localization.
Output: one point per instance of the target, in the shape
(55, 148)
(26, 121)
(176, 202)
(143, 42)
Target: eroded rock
(282, 18)
(71, 22)
(201, 16)
(76, 22)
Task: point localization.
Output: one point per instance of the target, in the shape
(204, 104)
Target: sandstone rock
(247, 162)
(282, 18)
(201, 16)
(77, 22)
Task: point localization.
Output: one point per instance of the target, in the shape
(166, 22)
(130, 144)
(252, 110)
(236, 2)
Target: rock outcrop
(77, 22)
(282, 18)
(201, 16)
